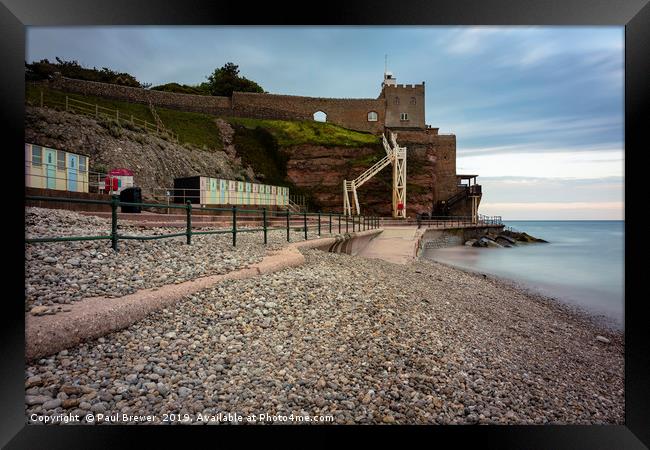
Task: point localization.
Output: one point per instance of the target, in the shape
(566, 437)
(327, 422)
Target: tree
(226, 80)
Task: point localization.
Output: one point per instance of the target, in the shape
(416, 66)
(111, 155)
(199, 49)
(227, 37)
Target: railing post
(234, 225)
(346, 223)
(339, 224)
(304, 216)
(288, 228)
(114, 203)
(188, 230)
(318, 223)
(330, 223)
(264, 223)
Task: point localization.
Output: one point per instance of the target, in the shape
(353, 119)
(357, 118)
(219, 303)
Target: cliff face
(154, 161)
(320, 172)
(430, 174)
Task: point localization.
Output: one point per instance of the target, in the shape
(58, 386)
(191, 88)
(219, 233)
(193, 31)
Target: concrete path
(396, 244)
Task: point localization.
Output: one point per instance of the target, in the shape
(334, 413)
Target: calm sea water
(583, 264)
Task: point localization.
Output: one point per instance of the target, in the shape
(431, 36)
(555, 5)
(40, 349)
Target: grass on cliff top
(193, 128)
(296, 132)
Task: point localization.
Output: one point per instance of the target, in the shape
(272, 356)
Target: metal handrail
(359, 223)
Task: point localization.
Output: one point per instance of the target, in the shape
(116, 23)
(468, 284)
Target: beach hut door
(72, 172)
(50, 169)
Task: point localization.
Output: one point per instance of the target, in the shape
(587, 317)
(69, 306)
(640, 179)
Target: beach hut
(49, 168)
(216, 191)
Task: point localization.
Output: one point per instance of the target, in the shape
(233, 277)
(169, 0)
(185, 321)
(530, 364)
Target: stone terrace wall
(348, 112)
(186, 102)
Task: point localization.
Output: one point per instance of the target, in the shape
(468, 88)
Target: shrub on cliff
(44, 69)
(226, 80)
(181, 89)
(259, 149)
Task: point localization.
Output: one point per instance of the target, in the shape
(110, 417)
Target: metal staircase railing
(396, 156)
(457, 197)
(294, 207)
(160, 126)
(372, 171)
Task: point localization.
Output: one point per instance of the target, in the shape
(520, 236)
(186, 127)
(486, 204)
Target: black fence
(269, 219)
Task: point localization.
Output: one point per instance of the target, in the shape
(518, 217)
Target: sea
(582, 265)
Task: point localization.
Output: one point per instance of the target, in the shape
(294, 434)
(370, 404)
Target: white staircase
(396, 156)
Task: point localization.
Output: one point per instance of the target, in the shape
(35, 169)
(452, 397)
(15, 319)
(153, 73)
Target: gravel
(59, 273)
(354, 340)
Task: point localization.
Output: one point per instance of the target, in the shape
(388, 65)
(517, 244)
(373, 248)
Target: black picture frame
(15, 15)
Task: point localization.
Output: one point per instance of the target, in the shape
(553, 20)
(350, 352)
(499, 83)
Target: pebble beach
(348, 339)
(59, 273)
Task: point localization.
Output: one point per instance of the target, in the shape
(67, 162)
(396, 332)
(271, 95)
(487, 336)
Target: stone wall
(347, 112)
(173, 100)
(442, 239)
(441, 152)
(453, 237)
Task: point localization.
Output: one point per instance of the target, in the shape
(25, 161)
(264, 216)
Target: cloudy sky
(537, 111)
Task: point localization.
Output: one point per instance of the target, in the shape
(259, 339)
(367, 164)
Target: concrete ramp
(395, 244)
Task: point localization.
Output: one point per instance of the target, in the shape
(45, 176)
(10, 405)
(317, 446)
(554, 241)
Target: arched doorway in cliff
(320, 116)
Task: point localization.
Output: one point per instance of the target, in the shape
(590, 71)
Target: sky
(537, 111)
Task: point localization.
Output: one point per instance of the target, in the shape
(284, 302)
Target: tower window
(372, 116)
(397, 100)
(403, 116)
(413, 101)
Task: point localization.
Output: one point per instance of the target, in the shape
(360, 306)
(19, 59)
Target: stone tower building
(403, 104)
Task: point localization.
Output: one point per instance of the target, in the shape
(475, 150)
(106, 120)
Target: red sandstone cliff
(320, 171)
(431, 173)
